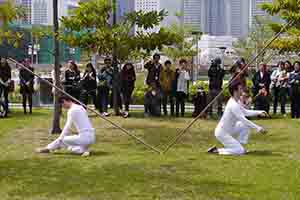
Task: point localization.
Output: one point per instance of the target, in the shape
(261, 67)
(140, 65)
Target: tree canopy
(185, 42)
(288, 11)
(91, 29)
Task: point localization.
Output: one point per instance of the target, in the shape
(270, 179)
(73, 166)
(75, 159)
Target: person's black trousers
(103, 98)
(211, 95)
(180, 102)
(4, 91)
(295, 102)
(127, 93)
(84, 97)
(165, 97)
(283, 95)
(262, 103)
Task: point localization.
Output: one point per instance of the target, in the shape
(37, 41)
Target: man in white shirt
(77, 144)
(235, 124)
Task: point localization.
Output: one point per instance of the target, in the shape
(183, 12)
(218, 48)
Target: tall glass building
(218, 17)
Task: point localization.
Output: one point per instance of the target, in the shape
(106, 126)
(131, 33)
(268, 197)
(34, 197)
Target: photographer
(154, 69)
(216, 75)
(72, 79)
(89, 85)
(105, 77)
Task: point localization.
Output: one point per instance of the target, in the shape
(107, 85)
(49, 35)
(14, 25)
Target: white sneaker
(86, 154)
(125, 114)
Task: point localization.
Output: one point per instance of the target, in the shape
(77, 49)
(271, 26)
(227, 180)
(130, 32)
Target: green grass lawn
(121, 168)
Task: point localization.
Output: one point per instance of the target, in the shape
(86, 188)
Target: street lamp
(197, 35)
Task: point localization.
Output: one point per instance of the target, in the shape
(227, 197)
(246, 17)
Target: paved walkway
(188, 108)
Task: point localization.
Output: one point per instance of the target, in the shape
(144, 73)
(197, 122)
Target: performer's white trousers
(232, 140)
(77, 144)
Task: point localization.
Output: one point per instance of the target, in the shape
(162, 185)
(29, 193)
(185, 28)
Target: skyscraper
(173, 7)
(124, 7)
(27, 6)
(238, 18)
(218, 17)
(194, 14)
(255, 9)
(41, 11)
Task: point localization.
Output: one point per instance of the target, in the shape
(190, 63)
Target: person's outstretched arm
(67, 126)
(237, 111)
(252, 113)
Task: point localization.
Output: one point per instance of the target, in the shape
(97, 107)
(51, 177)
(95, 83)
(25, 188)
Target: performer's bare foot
(42, 150)
(213, 149)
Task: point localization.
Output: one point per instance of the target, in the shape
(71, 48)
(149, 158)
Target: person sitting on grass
(234, 123)
(200, 101)
(77, 144)
(152, 101)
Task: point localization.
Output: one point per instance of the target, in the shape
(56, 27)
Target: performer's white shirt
(235, 112)
(78, 117)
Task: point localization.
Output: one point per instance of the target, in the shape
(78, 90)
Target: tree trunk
(57, 108)
(116, 81)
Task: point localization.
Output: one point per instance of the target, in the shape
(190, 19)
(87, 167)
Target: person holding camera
(89, 85)
(279, 85)
(216, 75)
(154, 69)
(105, 78)
(72, 79)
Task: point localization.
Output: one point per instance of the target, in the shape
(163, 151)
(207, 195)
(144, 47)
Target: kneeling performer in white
(234, 128)
(77, 144)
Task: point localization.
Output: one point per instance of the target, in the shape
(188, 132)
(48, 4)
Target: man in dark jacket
(294, 85)
(154, 69)
(216, 75)
(26, 85)
(261, 88)
(5, 77)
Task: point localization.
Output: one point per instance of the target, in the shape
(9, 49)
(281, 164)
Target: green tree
(259, 34)
(90, 27)
(185, 42)
(288, 11)
(9, 12)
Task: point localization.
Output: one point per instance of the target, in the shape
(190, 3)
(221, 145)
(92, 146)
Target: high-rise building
(41, 11)
(27, 5)
(255, 9)
(194, 14)
(218, 17)
(238, 18)
(175, 12)
(124, 7)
